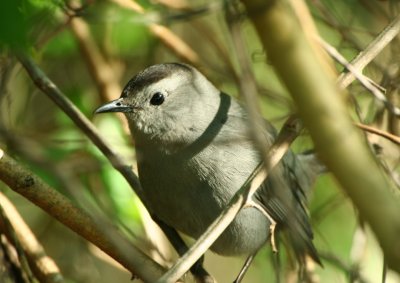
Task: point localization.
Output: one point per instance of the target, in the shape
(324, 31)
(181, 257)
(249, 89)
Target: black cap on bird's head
(148, 76)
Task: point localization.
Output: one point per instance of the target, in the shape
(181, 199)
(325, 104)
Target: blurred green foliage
(18, 17)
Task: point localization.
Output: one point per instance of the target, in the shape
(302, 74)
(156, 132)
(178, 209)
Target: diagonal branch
(366, 82)
(51, 90)
(371, 51)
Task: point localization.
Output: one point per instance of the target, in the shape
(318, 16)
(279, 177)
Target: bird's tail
(301, 242)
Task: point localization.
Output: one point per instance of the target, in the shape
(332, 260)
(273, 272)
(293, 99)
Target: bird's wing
(284, 199)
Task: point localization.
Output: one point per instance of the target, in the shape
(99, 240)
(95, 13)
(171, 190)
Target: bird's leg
(272, 231)
(244, 268)
(181, 248)
(272, 226)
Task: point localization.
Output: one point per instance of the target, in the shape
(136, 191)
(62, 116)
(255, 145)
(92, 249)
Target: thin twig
(371, 51)
(366, 82)
(393, 138)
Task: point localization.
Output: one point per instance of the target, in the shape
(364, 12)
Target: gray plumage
(194, 152)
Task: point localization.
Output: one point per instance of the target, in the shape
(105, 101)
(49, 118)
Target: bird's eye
(157, 99)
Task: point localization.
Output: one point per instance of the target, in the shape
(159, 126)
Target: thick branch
(324, 113)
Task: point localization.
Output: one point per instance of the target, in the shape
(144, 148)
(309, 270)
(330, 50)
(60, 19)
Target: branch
(288, 133)
(44, 268)
(58, 206)
(324, 113)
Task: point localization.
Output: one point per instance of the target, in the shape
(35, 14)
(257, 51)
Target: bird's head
(165, 103)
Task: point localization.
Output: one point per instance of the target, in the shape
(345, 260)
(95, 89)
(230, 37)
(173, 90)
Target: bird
(194, 152)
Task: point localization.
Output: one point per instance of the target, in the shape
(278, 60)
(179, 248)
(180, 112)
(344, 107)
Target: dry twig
(393, 138)
(371, 51)
(366, 82)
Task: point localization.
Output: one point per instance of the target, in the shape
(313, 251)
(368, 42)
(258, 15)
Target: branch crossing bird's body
(195, 152)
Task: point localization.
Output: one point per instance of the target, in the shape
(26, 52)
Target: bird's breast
(189, 192)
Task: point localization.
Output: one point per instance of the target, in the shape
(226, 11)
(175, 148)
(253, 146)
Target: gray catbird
(194, 152)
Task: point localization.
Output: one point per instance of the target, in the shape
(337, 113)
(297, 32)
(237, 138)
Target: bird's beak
(116, 105)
